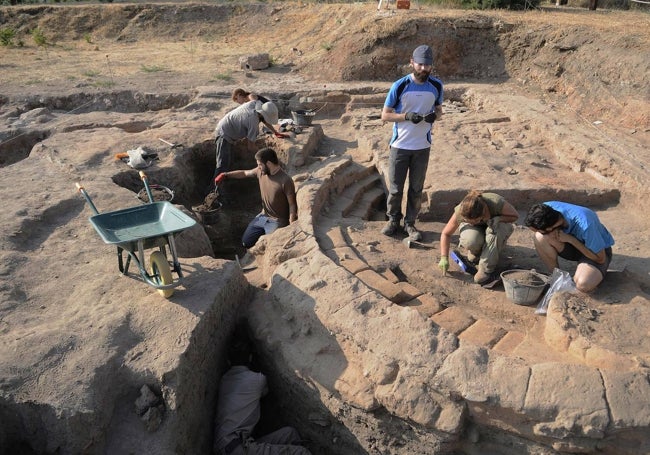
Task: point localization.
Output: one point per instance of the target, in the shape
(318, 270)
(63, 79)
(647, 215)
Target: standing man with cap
(414, 102)
(240, 123)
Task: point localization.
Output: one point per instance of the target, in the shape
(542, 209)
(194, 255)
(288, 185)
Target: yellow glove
(444, 264)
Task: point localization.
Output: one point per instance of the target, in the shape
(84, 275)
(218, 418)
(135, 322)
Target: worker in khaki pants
(486, 222)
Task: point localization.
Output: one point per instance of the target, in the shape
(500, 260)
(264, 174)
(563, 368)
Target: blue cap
(423, 55)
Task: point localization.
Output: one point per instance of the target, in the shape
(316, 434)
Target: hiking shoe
(390, 228)
(482, 277)
(413, 233)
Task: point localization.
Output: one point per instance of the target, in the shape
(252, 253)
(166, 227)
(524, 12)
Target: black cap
(423, 55)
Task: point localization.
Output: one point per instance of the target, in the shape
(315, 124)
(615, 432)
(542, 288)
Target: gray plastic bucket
(303, 118)
(523, 287)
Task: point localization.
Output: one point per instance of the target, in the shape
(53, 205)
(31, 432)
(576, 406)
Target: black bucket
(208, 216)
(158, 192)
(208, 212)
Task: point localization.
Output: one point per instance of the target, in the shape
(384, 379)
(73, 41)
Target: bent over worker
(241, 96)
(574, 233)
(241, 123)
(486, 222)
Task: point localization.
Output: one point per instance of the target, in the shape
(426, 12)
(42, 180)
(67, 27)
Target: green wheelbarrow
(136, 229)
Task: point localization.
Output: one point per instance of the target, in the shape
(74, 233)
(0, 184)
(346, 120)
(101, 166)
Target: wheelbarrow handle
(144, 179)
(85, 195)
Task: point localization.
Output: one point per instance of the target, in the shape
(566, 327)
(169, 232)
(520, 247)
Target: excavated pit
(18, 147)
(189, 180)
(225, 226)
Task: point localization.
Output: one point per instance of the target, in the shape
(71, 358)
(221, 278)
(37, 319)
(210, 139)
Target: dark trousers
(400, 163)
(223, 154)
(284, 441)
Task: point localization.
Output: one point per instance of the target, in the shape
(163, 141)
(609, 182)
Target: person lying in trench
(486, 222)
(279, 206)
(574, 233)
(239, 410)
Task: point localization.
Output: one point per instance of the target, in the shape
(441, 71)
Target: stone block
(605, 359)
(426, 304)
(343, 205)
(411, 291)
(483, 333)
(555, 333)
(453, 320)
(335, 238)
(627, 395)
(390, 276)
(478, 376)
(342, 253)
(567, 400)
(509, 342)
(254, 62)
(354, 266)
(380, 284)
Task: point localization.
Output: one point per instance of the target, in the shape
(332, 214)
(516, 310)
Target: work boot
(413, 233)
(482, 277)
(390, 228)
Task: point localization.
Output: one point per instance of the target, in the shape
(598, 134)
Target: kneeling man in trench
(279, 207)
(239, 410)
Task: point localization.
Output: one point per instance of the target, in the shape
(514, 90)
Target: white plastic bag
(560, 281)
(139, 158)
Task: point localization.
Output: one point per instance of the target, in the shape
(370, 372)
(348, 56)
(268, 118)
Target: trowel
(415, 244)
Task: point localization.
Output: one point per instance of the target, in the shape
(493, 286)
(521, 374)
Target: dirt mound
(593, 61)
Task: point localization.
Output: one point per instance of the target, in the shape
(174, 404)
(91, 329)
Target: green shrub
(39, 37)
(104, 84)
(7, 36)
(222, 77)
(152, 68)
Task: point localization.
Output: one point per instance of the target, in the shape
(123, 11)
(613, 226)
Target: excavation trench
(225, 225)
(189, 174)
(229, 222)
(543, 79)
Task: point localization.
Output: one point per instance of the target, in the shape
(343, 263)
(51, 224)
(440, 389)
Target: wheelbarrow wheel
(160, 271)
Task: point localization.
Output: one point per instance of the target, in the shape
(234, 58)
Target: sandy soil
(572, 83)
